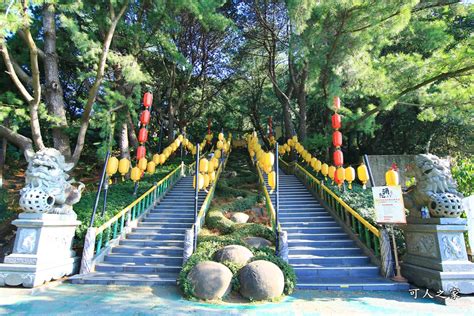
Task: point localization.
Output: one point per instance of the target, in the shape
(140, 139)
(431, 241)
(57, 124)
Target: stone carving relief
(27, 241)
(48, 188)
(453, 247)
(420, 244)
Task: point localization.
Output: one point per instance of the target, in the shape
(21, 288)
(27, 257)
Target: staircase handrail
(268, 202)
(359, 226)
(207, 201)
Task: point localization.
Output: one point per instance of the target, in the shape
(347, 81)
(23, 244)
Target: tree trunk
(53, 90)
(132, 136)
(123, 141)
(3, 156)
(24, 143)
(302, 115)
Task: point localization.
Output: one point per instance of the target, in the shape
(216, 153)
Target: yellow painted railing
(207, 201)
(365, 231)
(268, 202)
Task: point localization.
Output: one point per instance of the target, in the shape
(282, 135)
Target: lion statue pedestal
(42, 250)
(436, 252)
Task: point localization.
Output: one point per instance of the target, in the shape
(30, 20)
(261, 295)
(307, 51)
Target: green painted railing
(114, 227)
(366, 232)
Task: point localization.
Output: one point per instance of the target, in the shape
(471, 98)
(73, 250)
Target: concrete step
(294, 236)
(168, 219)
(300, 246)
(334, 261)
(170, 216)
(140, 260)
(351, 284)
(307, 219)
(160, 235)
(155, 224)
(145, 251)
(324, 252)
(138, 269)
(152, 243)
(310, 232)
(125, 279)
(304, 273)
(325, 223)
(297, 214)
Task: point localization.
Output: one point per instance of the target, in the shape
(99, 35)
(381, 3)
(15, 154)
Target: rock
(210, 280)
(240, 218)
(261, 280)
(234, 253)
(257, 242)
(239, 197)
(233, 174)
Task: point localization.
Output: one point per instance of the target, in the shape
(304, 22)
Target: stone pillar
(436, 255)
(42, 250)
(188, 244)
(283, 245)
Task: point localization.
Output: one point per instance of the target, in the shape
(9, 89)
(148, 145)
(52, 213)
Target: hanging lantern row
(336, 174)
(265, 160)
(208, 167)
(338, 156)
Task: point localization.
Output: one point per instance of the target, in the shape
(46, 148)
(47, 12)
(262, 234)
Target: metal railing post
(97, 197)
(196, 197)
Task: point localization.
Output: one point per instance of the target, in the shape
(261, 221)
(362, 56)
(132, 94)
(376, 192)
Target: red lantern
(337, 178)
(337, 139)
(141, 152)
(142, 135)
(145, 117)
(336, 103)
(336, 121)
(147, 99)
(338, 158)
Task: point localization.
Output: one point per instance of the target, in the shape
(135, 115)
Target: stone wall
(380, 164)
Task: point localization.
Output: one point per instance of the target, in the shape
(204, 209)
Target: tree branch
(95, 87)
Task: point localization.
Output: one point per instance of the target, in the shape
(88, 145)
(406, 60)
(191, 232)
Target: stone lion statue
(48, 188)
(435, 188)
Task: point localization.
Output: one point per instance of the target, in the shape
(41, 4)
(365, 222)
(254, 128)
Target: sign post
(389, 209)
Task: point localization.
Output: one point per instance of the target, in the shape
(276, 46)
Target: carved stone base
(436, 255)
(42, 250)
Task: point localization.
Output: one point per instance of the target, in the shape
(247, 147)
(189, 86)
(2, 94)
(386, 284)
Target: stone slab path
(70, 299)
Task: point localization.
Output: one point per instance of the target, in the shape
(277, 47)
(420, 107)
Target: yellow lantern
(112, 166)
(162, 159)
(267, 169)
(317, 165)
(349, 175)
(207, 179)
(220, 144)
(391, 178)
(193, 151)
(220, 136)
(340, 175)
(269, 159)
(295, 139)
(124, 166)
(142, 163)
(150, 167)
(325, 170)
(156, 159)
(203, 165)
(180, 138)
(173, 146)
(272, 180)
(363, 174)
(313, 162)
(210, 166)
(217, 154)
(200, 181)
(331, 172)
(136, 174)
(215, 163)
(186, 142)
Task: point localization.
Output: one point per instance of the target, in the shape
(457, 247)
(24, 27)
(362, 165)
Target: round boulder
(257, 242)
(261, 280)
(234, 253)
(240, 218)
(210, 280)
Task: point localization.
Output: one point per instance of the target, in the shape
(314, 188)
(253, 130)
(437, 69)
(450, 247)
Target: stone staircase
(323, 256)
(152, 254)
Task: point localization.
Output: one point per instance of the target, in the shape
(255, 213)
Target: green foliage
(463, 173)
